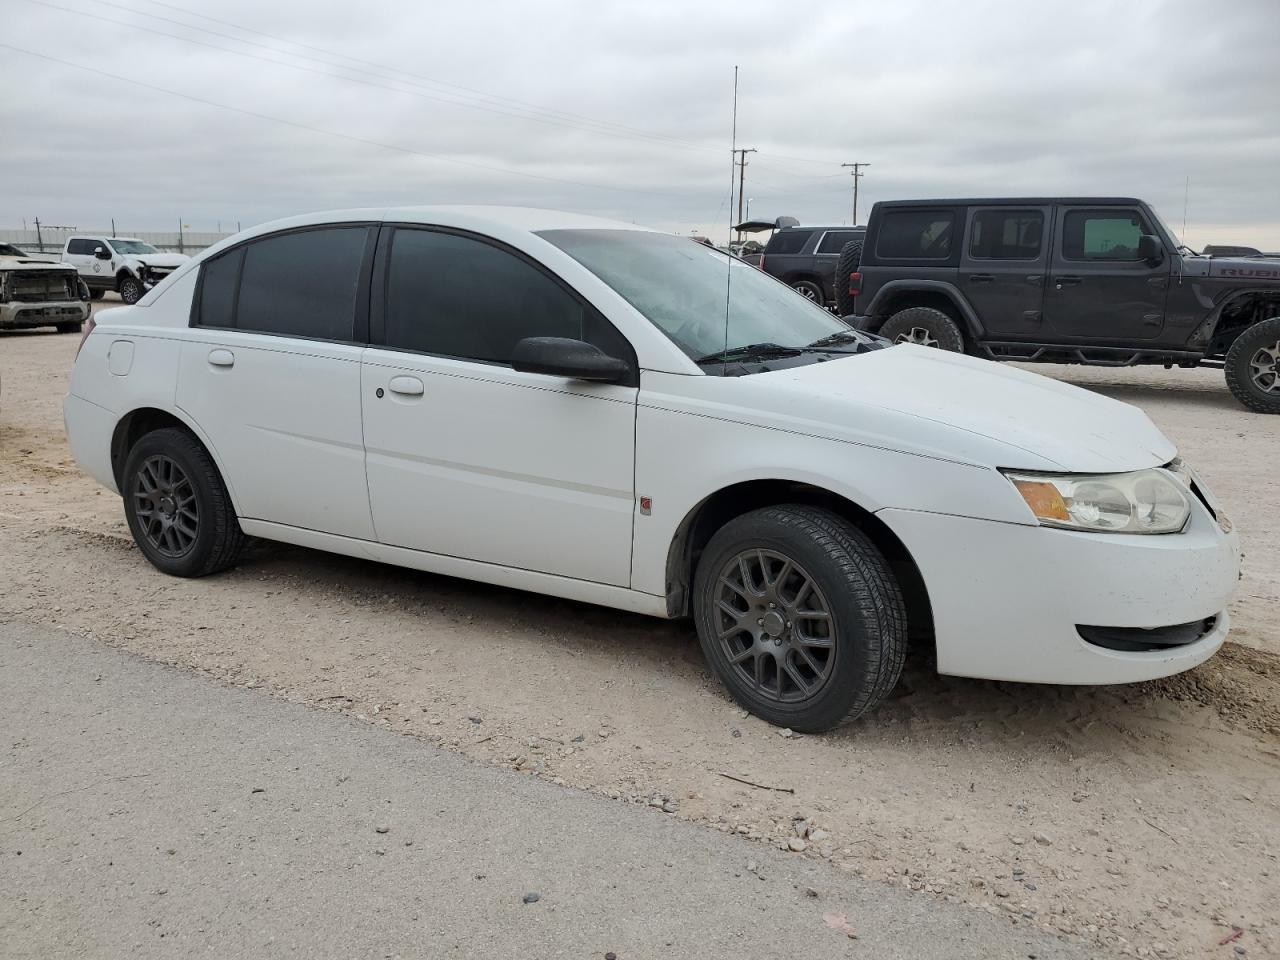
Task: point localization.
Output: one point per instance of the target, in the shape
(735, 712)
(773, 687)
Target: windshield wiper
(751, 351)
(837, 338)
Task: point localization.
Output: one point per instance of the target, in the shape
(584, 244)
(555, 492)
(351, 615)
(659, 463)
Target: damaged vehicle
(1100, 281)
(127, 266)
(37, 293)
(596, 411)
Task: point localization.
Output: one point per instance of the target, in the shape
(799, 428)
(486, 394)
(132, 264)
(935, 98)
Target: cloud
(625, 110)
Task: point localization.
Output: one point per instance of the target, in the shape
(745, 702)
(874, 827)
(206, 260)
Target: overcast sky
(624, 109)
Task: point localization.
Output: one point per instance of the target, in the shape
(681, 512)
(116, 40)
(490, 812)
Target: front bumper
(18, 315)
(1008, 600)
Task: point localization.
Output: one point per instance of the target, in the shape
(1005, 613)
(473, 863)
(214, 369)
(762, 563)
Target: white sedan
(592, 410)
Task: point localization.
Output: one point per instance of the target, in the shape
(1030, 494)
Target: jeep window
(788, 241)
(1006, 234)
(1101, 235)
(834, 240)
(132, 247)
(915, 235)
(460, 297)
(680, 287)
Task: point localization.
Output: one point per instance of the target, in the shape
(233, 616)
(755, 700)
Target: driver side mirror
(1150, 249)
(562, 357)
(102, 253)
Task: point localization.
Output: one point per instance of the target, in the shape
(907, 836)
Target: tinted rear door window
(1006, 234)
(788, 241)
(81, 247)
(218, 280)
(835, 240)
(916, 235)
(302, 284)
(457, 296)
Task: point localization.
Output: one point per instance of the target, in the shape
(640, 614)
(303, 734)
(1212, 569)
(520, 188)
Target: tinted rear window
(916, 235)
(218, 280)
(302, 284)
(788, 241)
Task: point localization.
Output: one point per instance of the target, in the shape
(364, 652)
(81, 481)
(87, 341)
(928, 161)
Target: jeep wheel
(850, 258)
(800, 616)
(177, 506)
(70, 326)
(810, 291)
(131, 290)
(1253, 367)
(924, 326)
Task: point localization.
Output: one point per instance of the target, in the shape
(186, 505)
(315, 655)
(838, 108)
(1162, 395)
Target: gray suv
(805, 258)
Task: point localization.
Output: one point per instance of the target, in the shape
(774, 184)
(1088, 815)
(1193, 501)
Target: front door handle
(981, 278)
(222, 358)
(406, 386)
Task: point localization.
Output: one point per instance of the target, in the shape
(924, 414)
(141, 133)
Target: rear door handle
(981, 278)
(1061, 282)
(222, 358)
(406, 386)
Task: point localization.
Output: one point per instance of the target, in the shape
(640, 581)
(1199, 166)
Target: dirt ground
(1144, 820)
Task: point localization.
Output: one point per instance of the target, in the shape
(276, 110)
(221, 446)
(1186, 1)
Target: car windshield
(681, 287)
(133, 246)
(9, 250)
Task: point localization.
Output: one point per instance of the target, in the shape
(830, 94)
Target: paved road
(147, 812)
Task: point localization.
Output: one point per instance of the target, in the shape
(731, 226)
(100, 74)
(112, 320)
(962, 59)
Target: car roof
(1010, 201)
(837, 227)
(474, 216)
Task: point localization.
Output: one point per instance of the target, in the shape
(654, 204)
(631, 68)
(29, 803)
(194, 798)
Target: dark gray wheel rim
(164, 502)
(774, 626)
(1264, 368)
(917, 335)
(807, 292)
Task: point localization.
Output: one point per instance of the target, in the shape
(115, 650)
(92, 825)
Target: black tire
(131, 290)
(70, 326)
(865, 616)
(96, 293)
(850, 259)
(925, 326)
(217, 540)
(810, 291)
(1252, 367)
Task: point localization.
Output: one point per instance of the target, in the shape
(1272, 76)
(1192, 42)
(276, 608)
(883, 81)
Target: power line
(330, 133)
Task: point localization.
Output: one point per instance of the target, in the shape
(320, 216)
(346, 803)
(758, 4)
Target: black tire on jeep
(1252, 367)
(850, 258)
(800, 616)
(131, 290)
(810, 291)
(924, 326)
(178, 508)
(70, 326)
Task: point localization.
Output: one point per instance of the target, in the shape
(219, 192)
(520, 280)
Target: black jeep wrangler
(1092, 280)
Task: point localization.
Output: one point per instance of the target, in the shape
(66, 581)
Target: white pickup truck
(128, 266)
(37, 293)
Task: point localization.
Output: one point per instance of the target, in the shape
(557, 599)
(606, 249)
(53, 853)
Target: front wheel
(177, 506)
(925, 327)
(1252, 367)
(799, 616)
(131, 290)
(96, 293)
(69, 326)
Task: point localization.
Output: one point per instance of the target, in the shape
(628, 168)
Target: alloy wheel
(1264, 368)
(165, 505)
(774, 626)
(917, 335)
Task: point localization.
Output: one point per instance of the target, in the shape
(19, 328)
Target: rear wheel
(1252, 367)
(800, 616)
(131, 290)
(178, 508)
(810, 291)
(924, 326)
(850, 259)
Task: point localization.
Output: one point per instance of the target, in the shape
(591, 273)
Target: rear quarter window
(916, 235)
(788, 241)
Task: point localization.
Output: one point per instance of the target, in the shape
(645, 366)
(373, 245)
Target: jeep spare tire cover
(850, 258)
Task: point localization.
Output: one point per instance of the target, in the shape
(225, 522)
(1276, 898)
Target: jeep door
(270, 372)
(1002, 268)
(469, 458)
(1099, 288)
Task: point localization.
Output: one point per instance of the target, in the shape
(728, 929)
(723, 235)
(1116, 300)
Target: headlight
(1146, 501)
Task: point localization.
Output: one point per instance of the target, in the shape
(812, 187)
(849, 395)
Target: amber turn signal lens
(1043, 498)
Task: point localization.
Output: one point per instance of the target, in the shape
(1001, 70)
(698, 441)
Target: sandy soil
(1144, 820)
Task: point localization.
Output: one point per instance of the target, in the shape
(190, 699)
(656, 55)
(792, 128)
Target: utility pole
(113, 226)
(39, 239)
(740, 157)
(180, 247)
(857, 175)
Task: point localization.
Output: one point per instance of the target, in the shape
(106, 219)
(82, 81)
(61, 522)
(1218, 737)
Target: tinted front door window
(1101, 235)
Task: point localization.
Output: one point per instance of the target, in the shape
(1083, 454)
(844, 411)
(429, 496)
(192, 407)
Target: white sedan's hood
(993, 410)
